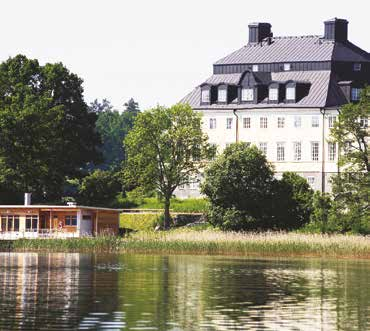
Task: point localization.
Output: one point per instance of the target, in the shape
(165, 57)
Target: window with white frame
(255, 67)
(287, 66)
(297, 151)
(263, 122)
(205, 95)
(31, 222)
(247, 94)
(280, 151)
(212, 123)
(281, 122)
(263, 147)
(332, 151)
(273, 94)
(315, 121)
(229, 123)
(297, 121)
(314, 150)
(311, 180)
(222, 95)
(246, 122)
(331, 121)
(70, 220)
(355, 94)
(364, 122)
(357, 67)
(290, 93)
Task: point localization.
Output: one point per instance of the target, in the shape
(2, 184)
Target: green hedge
(140, 222)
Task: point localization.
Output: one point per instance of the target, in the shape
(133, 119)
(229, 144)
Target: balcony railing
(41, 233)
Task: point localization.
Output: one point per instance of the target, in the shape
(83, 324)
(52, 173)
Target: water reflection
(152, 292)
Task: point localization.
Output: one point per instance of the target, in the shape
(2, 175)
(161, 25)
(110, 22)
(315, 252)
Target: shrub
(244, 194)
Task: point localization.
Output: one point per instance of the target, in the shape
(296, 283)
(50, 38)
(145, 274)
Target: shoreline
(207, 242)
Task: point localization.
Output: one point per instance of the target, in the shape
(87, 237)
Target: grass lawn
(177, 205)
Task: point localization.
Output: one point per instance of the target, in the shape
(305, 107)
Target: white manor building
(283, 94)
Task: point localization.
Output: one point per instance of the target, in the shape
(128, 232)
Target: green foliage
(100, 189)
(190, 205)
(46, 129)
(351, 187)
(244, 194)
(113, 127)
(140, 222)
(165, 149)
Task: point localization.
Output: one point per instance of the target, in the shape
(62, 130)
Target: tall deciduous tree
(46, 129)
(351, 187)
(166, 149)
(112, 127)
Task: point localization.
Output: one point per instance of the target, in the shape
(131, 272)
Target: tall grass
(269, 243)
(188, 241)
(96, 244)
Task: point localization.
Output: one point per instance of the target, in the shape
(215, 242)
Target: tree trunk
(167, 216)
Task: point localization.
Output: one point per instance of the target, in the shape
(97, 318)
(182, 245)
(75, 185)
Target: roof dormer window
(274, 93)
(205, 96)
(222, 94)
(287, 67)
(290, 93)
(357, 67)
(247, 94)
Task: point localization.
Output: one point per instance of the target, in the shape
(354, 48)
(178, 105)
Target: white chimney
(27, 199)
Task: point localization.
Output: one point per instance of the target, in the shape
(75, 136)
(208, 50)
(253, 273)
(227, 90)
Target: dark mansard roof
(323, 63)
(295, 49)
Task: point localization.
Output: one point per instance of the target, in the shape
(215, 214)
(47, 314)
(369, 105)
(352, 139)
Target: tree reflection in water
(122, 292)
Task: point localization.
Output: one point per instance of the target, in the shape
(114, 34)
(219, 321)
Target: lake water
(158, 292)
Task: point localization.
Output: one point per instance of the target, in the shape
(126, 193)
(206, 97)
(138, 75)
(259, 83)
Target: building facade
(283, 95)
(44, 221)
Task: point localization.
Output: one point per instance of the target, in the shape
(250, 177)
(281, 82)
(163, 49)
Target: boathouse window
(71, 220)
(31, 222)
(247, 94)
(9, 223)
(255, 67)
(287, 67)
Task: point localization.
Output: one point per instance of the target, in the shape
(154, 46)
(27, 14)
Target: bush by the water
(244, 194)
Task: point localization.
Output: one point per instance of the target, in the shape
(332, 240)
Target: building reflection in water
(153, 292)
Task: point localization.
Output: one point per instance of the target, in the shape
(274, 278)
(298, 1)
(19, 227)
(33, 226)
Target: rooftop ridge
(291, 37)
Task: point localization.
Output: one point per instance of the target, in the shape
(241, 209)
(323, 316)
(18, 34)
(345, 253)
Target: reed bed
(189, 241)
(268, 243)
(83, 244)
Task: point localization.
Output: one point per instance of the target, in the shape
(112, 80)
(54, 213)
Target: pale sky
(156, 51)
